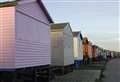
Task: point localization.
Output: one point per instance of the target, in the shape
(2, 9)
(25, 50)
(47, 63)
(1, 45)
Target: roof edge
(14, 3)
(45, 10)
(70, 27)
(60, 23)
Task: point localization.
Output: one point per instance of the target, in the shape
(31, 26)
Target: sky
(96, 19)
(6, 0)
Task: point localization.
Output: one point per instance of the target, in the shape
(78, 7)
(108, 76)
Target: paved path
(112, 72)
(79, 76)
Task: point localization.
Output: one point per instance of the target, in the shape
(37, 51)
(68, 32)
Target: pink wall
(24, 36)
(7, 37)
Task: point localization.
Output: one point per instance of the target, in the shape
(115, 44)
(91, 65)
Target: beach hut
(90, 51)
(94, 53)
(99, 54)
(85, 50)
(62, 47)
(77, 48)
(105, 56)
(102, 54)
(24, 40)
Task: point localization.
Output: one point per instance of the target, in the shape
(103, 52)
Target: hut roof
(58, 26)
(15, 2)
(75, 33)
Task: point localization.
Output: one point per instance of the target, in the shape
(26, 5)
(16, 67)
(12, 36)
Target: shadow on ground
(86, 73)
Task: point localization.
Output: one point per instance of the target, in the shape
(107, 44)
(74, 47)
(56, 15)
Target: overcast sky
(97, 19)
(6, 0)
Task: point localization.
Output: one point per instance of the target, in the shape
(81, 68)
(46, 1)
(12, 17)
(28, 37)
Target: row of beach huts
(34, 49)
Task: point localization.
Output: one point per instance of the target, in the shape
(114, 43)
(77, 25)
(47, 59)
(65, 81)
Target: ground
(79, 76)
(86, 73)
(112, 72)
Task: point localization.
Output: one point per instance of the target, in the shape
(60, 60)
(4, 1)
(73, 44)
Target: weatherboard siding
(90, 50)
(78, 47)
(24, 36)
(32, 9)
(7, 37)
(75, 47)
(68, 46)
(57, 48)
(32, 36)
(61, 45)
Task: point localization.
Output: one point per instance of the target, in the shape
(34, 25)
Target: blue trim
(77, 64)
(81, 36)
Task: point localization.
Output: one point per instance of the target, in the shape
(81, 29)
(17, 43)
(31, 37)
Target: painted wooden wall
(68, 46)
(7, 37)
(85, 49)
(62, 48)
(32, 36)
(90, 49)
(75, 48)
(78, 48)
(57, 48)
(94, 52)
